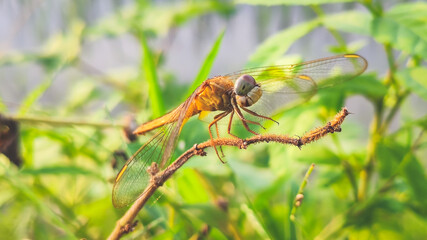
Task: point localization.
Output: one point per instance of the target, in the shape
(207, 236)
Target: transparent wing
(133, 178)
(284, 84)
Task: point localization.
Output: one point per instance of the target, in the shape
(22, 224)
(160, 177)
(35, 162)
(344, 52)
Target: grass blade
(207, 64)
(148, 65)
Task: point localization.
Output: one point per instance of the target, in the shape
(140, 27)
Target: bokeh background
(73, 73)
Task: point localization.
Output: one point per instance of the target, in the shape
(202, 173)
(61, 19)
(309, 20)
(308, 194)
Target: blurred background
(72, 74)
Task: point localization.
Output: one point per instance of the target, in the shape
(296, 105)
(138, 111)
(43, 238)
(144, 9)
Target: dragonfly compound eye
(244, 84)
(252, 97)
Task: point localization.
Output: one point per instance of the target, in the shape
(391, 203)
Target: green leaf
(416, 177)
(155, 96)
(389, 154)
(351, 21)
(290, 2)
(166, 16)
(367, 85)
(80, 93)
(404, 27)
(415, 80)
(62, 48)
(207, 64)
(34, 95)
(59, 170)
(209, 214)
(274, 47)
(254, 178)
(319, 155)
(191, 187)
(422, 122)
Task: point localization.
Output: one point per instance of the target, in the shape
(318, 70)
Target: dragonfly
(256, 92)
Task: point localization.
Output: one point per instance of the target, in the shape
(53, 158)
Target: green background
(369, 181)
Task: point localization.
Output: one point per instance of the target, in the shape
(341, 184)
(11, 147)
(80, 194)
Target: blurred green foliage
(366, 184)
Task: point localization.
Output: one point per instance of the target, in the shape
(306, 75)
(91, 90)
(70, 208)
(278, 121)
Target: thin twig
(126, 223)
(300, 195)
(64, 122)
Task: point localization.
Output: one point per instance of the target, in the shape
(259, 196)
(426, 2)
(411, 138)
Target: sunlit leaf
(275, 46)
(404, 27)
(62, 48)
(167, 16)
(415, 80)
(150, 73)
(350, 21)
(207, 65)
(191, 187)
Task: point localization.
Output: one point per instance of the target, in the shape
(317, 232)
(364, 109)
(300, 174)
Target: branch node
(155, 179)
(153, 169)
(243, 144)
(199, 151)
(329, 127)
(299, 142)
(129, 227)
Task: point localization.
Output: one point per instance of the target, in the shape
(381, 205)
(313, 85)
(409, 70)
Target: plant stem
(366, 173)
(126, 223)
(64, 122)
(298, 200)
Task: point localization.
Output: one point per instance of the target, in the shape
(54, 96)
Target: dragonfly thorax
(247, 90)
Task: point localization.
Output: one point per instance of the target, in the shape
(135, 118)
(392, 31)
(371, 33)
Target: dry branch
(126, 223)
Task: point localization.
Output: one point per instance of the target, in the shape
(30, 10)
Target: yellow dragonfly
(255, 92)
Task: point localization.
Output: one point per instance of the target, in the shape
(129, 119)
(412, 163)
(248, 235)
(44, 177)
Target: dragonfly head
(247, 90)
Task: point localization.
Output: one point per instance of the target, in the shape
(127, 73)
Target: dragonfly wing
(285, 84)
(133, 178)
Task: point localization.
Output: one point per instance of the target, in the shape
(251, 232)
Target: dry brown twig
(127, 223)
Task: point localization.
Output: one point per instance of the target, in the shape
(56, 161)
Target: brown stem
(126, 223)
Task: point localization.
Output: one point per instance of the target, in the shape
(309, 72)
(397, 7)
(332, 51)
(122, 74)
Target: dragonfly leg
(243, 119)
(217, 135)
(258, 115)
(216, 119)
(229, 125)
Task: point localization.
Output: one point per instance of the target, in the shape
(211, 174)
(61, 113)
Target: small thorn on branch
(129, 227)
